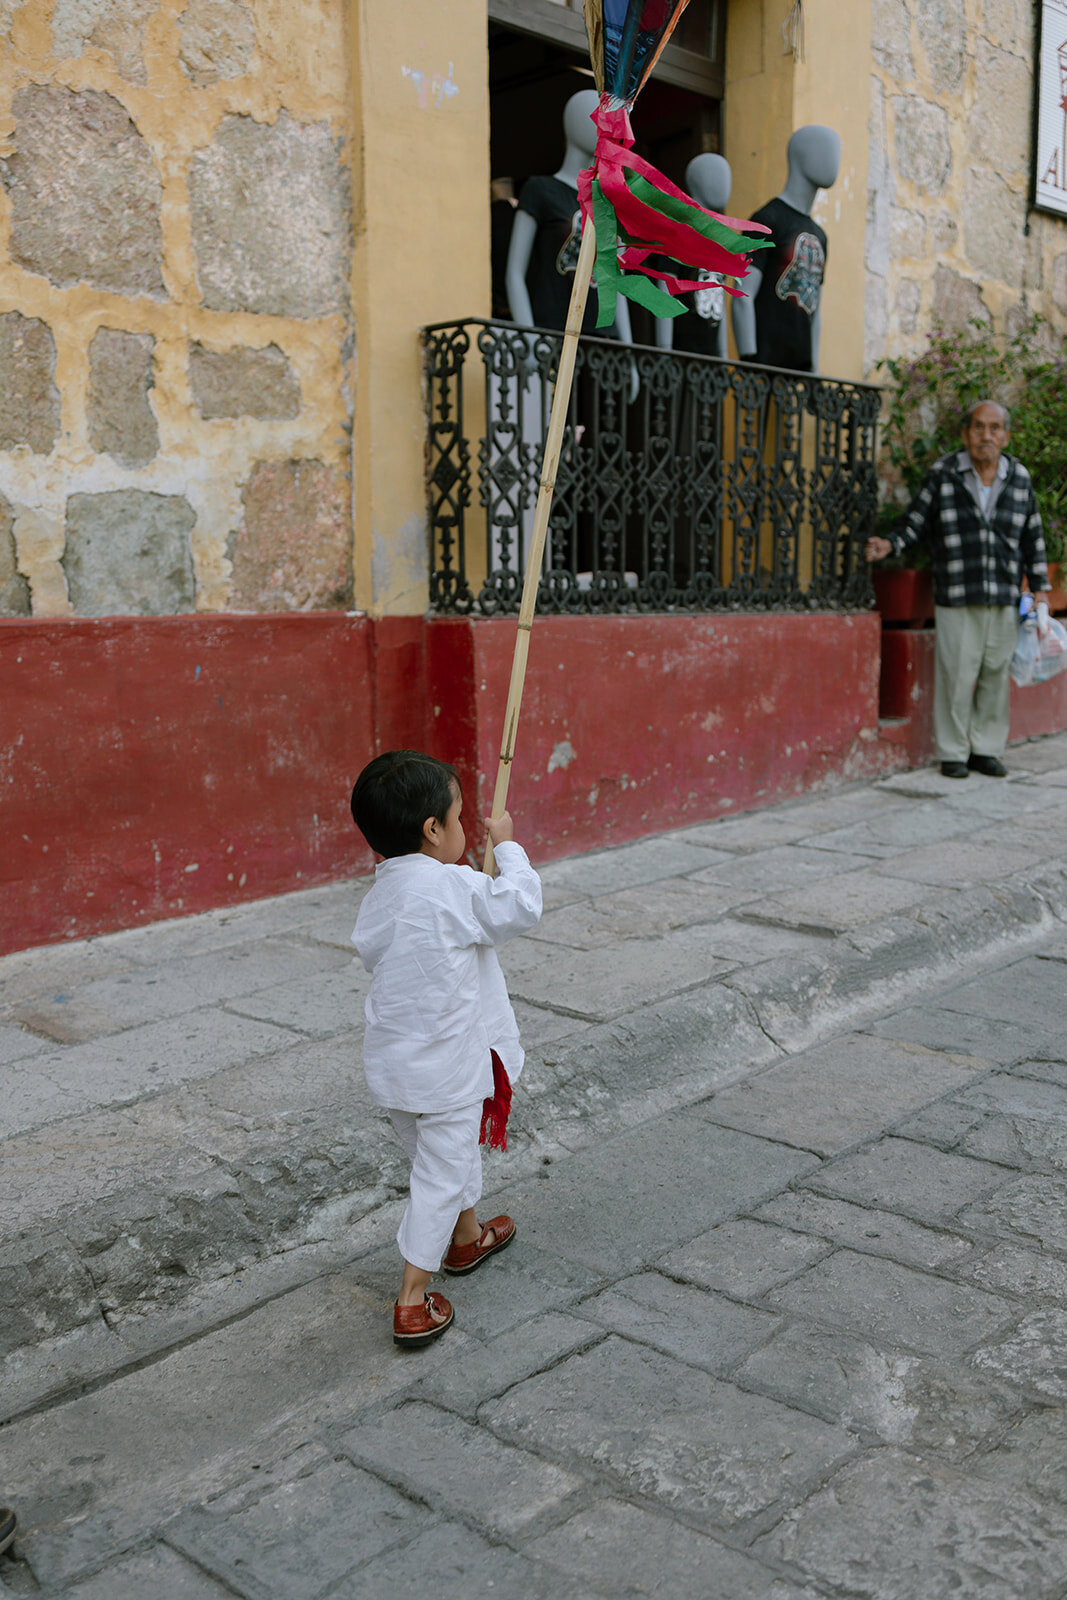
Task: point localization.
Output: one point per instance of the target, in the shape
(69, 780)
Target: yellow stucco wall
(769, 93)
(296, 65)
(421, 86)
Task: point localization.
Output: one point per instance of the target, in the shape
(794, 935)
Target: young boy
(438, 1010)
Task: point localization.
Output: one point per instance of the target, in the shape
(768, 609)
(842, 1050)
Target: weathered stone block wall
(176, 337)
(949, 175)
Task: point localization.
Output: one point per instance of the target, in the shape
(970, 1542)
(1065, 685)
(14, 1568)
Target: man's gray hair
(968, 415)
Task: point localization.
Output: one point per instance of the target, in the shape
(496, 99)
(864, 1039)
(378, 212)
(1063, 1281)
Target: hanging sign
(1050, 134)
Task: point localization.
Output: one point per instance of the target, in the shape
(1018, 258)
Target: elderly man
(976, 510)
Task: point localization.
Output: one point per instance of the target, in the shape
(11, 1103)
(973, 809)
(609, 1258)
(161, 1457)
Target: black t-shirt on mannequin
(697, 333)
(788, 298)
(554, 206)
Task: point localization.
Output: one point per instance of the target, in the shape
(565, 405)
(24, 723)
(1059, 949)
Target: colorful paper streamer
(637, 212)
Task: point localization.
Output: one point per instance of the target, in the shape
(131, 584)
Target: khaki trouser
(971, 684)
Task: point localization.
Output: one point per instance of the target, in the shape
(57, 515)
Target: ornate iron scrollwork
(685, 483)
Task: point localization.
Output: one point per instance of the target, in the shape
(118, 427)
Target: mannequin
(702, 331)
(778, 321)
(546, 234)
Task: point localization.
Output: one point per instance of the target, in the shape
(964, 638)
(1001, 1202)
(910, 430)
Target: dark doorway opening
(530, 81)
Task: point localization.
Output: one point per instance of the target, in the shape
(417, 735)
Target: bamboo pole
(535, 555)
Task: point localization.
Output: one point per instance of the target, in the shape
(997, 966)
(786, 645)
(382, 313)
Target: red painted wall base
(907, 691)
(153, 767)
(632, 725)
(157, 766)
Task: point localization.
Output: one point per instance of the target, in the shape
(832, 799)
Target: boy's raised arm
(510, 904)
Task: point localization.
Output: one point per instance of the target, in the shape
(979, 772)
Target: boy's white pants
(446, 1178)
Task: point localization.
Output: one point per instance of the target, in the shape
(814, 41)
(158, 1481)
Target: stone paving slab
(505, 1360)
(745, 1258)
(1031, 1355)
(705, 1330)
(900, 830)
(1031, 1275)
(864, 1228)
(838, 904)
(894, 1527)
(322, 1004)
(784, 866)
(59, 968)
(327, 913)
(627, 1550)
(929, 1186)
(668, 1433)
(1048, 1069)
(606, 983)
(605, 871)
(159, 1571)
(901, 1398)
(1032, 991)
(638, 913)
(574, 1212)
(758, 830)
(1033, 1143)
(825, 1099)
(1031, 1456)
(1030, 1210)
(134, 1452)
(16, 1044)
(453, 1557)
(894, 1304)
(953, 861)
(449, 1464)
(127, 1000)
(941, 1029)
(274, 1533)
(121, 1068)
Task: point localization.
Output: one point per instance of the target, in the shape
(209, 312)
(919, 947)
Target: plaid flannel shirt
(978, 559)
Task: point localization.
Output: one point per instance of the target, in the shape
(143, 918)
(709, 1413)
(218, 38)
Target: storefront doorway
(538, 58)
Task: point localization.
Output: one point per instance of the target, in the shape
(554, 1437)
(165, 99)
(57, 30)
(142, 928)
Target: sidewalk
(787, 1310)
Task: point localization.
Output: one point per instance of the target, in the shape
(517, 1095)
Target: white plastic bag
(1038, 658)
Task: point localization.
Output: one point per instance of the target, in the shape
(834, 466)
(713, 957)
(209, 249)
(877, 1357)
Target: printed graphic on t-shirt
(802, 279)
(709, 303)
(567, 260)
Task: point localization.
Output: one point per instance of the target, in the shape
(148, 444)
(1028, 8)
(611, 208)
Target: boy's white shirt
(438, 1004)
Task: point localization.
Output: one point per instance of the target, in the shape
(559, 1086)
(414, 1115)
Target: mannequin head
(578, 127)
(708, 179)
(815, 153)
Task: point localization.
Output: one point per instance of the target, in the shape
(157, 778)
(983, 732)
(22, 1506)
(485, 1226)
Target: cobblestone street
(786, 1315)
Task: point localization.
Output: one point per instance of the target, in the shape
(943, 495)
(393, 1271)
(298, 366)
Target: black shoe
(955, 769)
(7, 1528)
(989, 766)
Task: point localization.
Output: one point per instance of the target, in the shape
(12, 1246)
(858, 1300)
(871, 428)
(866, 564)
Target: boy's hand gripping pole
(535, 555)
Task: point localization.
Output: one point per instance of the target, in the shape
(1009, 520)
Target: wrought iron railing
(685, 483)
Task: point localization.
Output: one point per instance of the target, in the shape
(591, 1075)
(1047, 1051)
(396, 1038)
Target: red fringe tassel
(496, 1109)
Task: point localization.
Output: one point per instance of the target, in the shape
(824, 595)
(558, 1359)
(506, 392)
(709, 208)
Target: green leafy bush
(1039, 439)
(928, 395)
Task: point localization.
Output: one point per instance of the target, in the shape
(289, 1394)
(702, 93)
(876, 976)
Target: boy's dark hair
(395, 793)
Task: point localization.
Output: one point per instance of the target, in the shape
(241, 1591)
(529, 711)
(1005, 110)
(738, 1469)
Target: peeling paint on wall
(436, 87)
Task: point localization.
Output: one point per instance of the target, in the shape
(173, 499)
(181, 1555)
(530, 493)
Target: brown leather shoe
(465, 1257)
(415, 1325)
